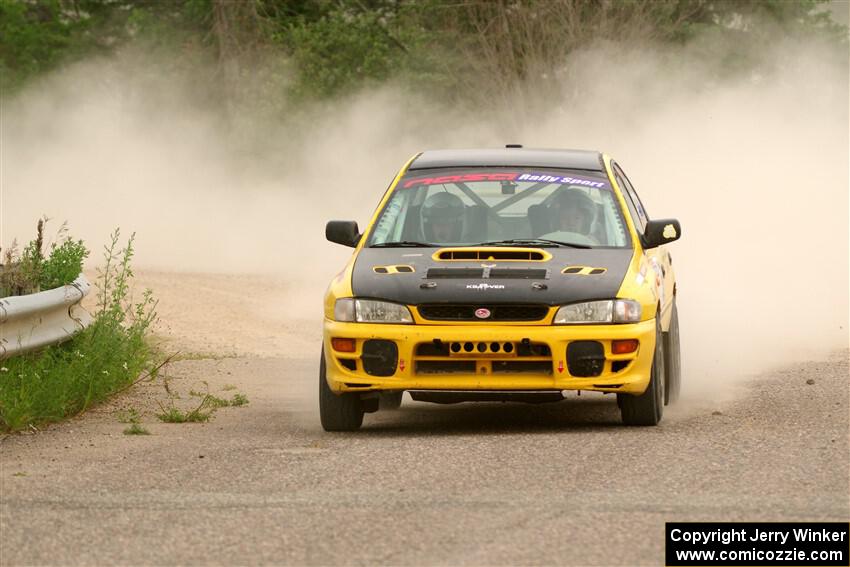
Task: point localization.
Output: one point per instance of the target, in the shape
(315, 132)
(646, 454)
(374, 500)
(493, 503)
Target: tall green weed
(34, 271)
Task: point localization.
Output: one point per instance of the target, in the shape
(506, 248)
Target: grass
(203, 411)
(176, 415)
(133, 417)
(108, 356)
(239, 400)
(136, 429)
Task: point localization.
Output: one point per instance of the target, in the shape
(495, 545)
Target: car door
(658, 258)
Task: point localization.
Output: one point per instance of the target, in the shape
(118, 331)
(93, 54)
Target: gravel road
(504, 484)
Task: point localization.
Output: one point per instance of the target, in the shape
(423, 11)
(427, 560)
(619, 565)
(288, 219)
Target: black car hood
(439, 281)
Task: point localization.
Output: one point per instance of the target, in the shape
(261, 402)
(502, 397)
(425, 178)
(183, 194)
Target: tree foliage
(335, 47)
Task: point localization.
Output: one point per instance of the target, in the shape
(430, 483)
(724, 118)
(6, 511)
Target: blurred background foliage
(468, 51)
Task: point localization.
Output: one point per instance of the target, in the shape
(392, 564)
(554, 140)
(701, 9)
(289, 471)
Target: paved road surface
(466, 484)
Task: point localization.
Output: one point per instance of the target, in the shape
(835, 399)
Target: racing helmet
(576, 201)
(442, 217)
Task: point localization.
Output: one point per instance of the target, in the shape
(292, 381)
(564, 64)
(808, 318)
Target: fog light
(624, 347)
(380, 357)
(344, 345)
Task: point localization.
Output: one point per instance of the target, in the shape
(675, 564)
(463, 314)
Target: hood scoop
(489, 273)
(489, 253)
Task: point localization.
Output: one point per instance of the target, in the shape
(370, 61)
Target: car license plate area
(483, 357)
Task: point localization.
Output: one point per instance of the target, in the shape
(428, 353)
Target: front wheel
(672, 360)
(647, 408)
(338, 412)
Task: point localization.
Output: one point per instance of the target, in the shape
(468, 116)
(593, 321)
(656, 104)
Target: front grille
(445, 367)
(522, 367)
(455, 312)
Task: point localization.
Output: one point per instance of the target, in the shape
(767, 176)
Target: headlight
(370, 311)
(607, 311)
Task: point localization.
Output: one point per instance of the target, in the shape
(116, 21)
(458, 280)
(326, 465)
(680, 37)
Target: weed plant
(136, 429)
(203, 411)
(33, 271)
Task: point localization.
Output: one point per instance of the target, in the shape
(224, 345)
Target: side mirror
(660, 232)
(343, 232)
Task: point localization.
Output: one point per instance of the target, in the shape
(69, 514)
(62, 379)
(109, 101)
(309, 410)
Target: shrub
(32, 272)
(64, 264)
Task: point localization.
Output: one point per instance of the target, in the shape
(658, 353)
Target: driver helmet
(576, 211)
(442, 217)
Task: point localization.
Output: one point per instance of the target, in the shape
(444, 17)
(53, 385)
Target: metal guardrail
(29, 322)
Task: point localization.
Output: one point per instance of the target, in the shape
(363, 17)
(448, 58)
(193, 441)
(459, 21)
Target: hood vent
(489, 273)
(483, 254)
(463, 273)
(403, 269)
(519, 273)
(584, 270)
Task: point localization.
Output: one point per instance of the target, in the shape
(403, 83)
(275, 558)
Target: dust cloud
(755, 166)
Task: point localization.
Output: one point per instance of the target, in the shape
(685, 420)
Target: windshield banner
(506, 176)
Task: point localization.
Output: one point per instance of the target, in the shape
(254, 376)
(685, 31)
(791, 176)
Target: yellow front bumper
(627, 373)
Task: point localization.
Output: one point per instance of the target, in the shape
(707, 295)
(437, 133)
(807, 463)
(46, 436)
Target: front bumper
(627, 373)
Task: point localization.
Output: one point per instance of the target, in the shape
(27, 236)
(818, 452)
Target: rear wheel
(672, 360)
(390, 400)
(338, 412)
(647, 408)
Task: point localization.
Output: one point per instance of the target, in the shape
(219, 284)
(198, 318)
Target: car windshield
(501, 207)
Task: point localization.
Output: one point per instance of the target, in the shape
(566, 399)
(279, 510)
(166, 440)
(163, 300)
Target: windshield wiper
(403, 244)
(533, 242)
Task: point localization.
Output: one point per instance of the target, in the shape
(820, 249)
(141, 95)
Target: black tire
(390, 400)
(338, 412)
(647, 408)
(672, 360)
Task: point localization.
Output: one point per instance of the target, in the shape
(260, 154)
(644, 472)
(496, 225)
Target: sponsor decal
(482, 313)
(659, 279)
(641, 277)
(563, 180)
(506, 176)
(460, 178)
(484, 286)
(669, 231)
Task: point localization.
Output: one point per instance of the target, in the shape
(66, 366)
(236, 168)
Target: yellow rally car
(506, 274)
